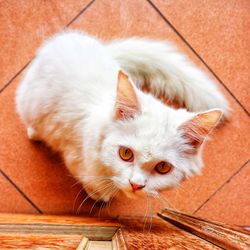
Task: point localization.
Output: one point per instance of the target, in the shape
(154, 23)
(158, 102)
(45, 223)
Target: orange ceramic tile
(25, 24)
(219, 32)
(231, 201)
(48, 183)
(11, 200)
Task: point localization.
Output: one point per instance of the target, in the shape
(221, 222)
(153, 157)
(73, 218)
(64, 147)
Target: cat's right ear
(126, 105)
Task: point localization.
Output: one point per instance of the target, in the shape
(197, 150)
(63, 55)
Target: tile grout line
(8, 83)
(29, 61)
(13, 78)
(21, 192)
(79, 14)
(196, 53)
(217, 190)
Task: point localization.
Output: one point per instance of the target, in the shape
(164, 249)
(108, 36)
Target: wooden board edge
(118, 241)
(218, 235)
(83, 244)
(56, 219)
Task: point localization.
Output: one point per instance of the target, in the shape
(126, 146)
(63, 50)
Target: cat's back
(74, 54)
(69, 71)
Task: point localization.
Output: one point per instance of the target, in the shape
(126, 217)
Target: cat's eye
(126, 154)
(163, 167)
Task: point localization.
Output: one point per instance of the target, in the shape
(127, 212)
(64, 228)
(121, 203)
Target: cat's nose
(136, 186)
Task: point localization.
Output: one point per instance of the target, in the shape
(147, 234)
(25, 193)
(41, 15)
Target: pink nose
(136, 186)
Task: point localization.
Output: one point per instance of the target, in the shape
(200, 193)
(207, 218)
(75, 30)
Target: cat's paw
(32, 134)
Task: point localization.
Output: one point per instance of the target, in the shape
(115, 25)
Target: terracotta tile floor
(214, 34)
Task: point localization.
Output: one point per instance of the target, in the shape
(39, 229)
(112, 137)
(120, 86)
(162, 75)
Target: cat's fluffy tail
(167, 72)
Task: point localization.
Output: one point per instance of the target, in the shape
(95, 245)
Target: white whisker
(105, 193)
(111, 199)
(91, 181)
(145, 215)
(163, 199)
(89, 196)
(151, 214)
(99, 199)
(77, 182)
(77, 198)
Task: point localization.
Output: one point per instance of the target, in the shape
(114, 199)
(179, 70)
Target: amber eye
(126, 154)
(163, 167)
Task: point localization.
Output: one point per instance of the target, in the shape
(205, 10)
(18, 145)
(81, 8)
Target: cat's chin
(134, 195)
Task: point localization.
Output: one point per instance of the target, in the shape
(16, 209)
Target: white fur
(67, 100)
(167, 72)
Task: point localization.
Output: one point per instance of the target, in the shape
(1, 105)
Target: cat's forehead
(153, 124)
(150, 137)
(153, 133)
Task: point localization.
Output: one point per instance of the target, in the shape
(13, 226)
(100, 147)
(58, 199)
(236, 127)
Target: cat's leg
(32, 134)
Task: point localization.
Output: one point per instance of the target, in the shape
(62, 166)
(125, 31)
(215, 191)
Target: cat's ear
(126, 105)
(196, 130)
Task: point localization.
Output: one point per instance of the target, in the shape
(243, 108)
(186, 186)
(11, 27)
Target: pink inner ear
(197, 129)
(126, 101)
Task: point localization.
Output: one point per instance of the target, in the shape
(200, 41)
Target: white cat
(77, 98)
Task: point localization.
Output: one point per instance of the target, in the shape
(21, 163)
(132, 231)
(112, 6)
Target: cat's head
(149, 146)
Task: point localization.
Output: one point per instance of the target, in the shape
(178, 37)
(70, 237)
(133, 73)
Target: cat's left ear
(197, 129)
(126, 105)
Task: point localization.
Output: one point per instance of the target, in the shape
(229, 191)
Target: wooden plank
(55, 219)
(160, 235)
(83, 244)
(39, 241)
(99, 245)
(118, 242)
(218, 234)
(89, 231)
